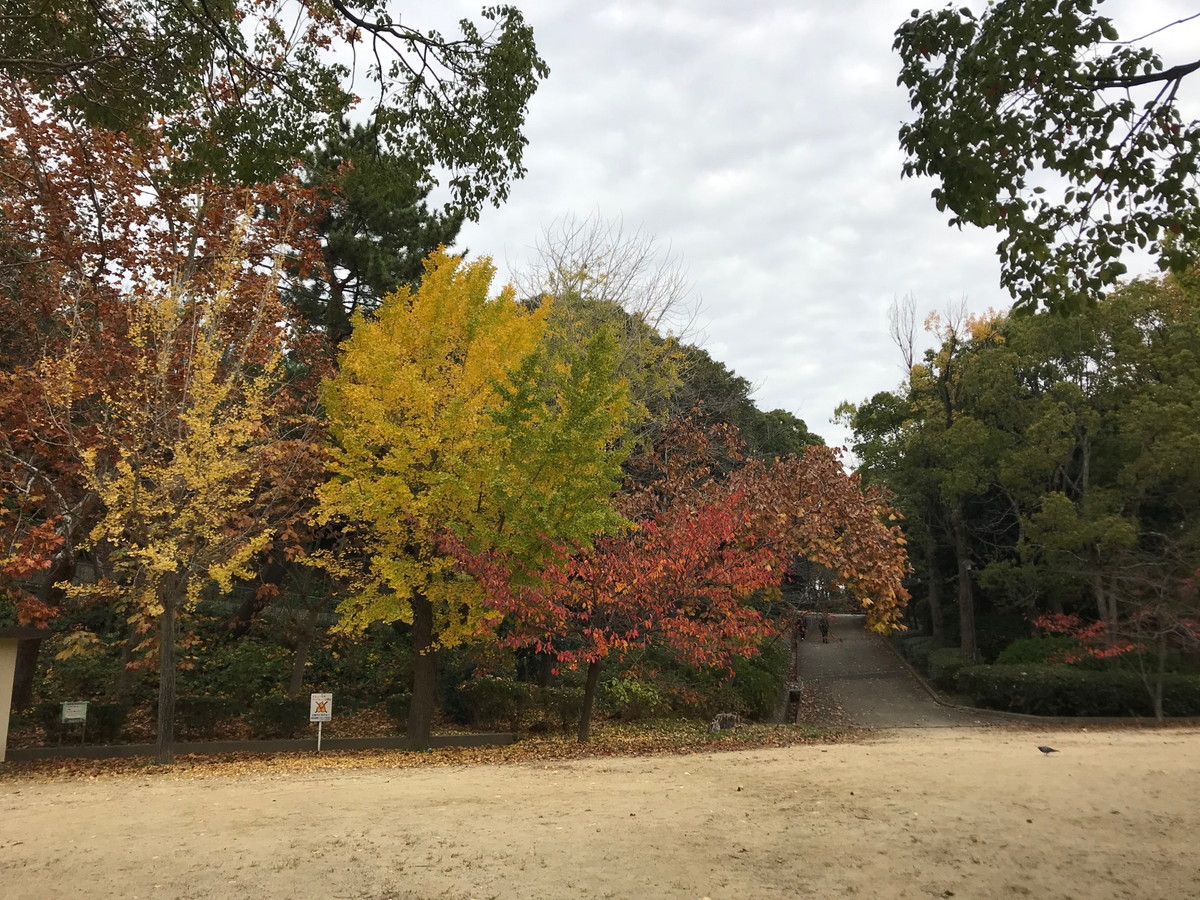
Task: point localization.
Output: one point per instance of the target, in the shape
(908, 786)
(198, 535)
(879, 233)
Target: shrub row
(1068, 691)
(195, 718)
(943, 666)
(104, 722)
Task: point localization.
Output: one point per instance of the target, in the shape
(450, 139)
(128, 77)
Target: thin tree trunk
(1098, 590)
(545, 668)
(425, 665)
(270, 574)
(308, 633)
(589, 701)
(165, 751)
(28, 651)
(966, 595)
(937, 615)
(1161, 674)
(124, 682)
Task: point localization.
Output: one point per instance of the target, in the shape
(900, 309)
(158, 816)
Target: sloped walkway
(856, 679)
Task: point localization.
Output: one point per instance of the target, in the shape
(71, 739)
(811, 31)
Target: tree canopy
(1035, 120)
(242, 89)
(1044, 460)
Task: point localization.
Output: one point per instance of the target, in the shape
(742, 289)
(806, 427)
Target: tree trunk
(272, 573)
(63, 569)
(165, 751)
(545, 668)
(937, 615)
(1160, 675)
(966, 595)
(425, 665)
(308, 632)
(589, 701)
(124, 680)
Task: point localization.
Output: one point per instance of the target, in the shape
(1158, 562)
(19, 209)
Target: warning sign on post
(320, 708)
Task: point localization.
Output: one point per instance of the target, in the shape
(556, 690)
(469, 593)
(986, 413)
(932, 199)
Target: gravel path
(857, 679)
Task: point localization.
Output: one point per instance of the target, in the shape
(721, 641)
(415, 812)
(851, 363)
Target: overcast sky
(758, 140)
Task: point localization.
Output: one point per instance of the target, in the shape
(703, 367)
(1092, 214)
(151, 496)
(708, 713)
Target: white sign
(320, 708)
(74, 711)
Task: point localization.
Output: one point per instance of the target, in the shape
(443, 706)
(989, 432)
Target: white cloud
(758, 140)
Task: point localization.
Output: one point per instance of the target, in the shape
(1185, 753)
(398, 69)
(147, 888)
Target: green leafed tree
(456, 416)
(1055, 455)
(1034, 119)
(376, 230)
(244, 88)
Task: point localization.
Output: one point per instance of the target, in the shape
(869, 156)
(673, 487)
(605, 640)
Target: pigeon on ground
(1047, 750)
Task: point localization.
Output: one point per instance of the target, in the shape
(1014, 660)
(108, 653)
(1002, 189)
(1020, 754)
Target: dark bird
(1047, 750)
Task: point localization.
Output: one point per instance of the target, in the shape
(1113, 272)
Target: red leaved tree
(700, 548)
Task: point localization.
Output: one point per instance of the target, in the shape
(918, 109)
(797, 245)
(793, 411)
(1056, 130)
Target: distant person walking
(823, 624)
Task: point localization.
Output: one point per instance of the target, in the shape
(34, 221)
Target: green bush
(8, 610)
(196, 716)
(563, 704)
(279, 717)
(397, 707)
(997, 630)
(944, 665)
(48, 714)
(631, 700)
(84, 676)
(363, 670)
(701, 698)
(243, 671)
(1069, 691)
(916, 650)
(104, 722)
(491, 701)
(1036, 651)
(758, 681)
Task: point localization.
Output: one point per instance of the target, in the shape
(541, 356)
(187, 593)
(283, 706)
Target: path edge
(937, 698)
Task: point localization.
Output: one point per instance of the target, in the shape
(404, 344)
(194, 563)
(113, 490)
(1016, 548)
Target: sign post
(76, 711)
(320, 710)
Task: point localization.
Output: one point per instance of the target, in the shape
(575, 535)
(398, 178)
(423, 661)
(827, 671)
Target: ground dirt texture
(919, 812)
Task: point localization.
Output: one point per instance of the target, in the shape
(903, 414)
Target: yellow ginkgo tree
(178, 442)
(454, 416)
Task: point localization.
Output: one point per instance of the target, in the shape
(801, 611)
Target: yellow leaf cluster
(179, 472)
(411, 411)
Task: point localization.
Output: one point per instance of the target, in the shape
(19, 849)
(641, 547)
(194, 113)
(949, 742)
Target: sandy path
(918, 813)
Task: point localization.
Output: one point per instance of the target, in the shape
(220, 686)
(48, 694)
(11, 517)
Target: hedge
(1036, 651)
(196, 716)
(491, 701)
(397, 707)
(277, 716)
(632, 700)
(916, 650)
(104, 722)
(944, 665)
(563, 704)
(1067, 691)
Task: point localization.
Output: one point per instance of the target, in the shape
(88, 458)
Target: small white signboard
(320, 708)
(74, 711)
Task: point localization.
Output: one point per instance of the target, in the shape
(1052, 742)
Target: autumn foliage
(693, 571)
(476, 468)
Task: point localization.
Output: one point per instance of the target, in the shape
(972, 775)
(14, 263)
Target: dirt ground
(947, 812)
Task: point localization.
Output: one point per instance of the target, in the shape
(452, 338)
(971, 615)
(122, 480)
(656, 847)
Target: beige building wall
(8, 666)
